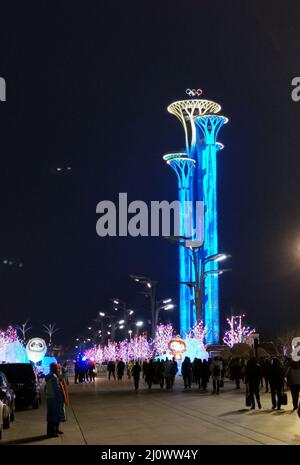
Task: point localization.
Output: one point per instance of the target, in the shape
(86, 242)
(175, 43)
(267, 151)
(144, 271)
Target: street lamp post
(151, 292)
(156, 307)
(195, 248)
(127, 312)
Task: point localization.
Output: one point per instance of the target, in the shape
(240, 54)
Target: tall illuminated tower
(201, 123)
(184, 168)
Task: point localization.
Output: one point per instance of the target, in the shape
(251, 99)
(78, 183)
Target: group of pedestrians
(111, 369)
(85, 371)
(269, 373)
(274, 373)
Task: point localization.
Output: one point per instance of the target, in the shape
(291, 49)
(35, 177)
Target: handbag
(283, 398)
(248, 398)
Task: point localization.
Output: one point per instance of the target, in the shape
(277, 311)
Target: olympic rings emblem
(194, 92)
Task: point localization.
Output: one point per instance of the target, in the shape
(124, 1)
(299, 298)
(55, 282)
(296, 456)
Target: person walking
(186, 371)
(120, 370)
(111, 368)
(276, 380)
(216, 368)
(205, 375)
(293, 381)
(197, 371)
(64, 373)
(55, 402)
(129, 369)
(77, 371)
(168, 372)
(92, 370)
(235, 371)
(174, 371)
(252, 380)
(145, 367)
(265, 368)
(136, 371)
(150, 373)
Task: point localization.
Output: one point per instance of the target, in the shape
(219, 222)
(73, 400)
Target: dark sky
(88, 84)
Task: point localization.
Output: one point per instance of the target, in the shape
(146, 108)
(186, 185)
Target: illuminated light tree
(198, 331)
(122, 351)
(91, 353)
(164, 334)
(11, 334)
(99, 355)
(110, 351)
(237, 332)
(23, 329)
(50, 330)
(139, 348)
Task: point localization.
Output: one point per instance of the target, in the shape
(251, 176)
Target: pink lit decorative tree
(163, 335)
(237, 332)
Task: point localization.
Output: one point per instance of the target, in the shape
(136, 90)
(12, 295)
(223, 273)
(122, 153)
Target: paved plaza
(111, 413)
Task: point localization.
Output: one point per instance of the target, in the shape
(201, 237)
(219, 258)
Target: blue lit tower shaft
(184, 168)
(208, 128)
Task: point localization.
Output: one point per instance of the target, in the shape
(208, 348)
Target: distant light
(89, 327)
(101, 314)
(92, 359)
(149, 285)
(130, 331)
(69, 168)
(10, 263)
(76, 347)
(121, 322)
(109, 326)
(77, 339)
(169, 307)
(137, 280)
(5, 262)
(167, 301)
(99, 331)
(116, 302)
(83, 359)
(221, 257)
(108, 333)
(121, 327)
(131, 312)
(20, 265)
(58, 169)
(89, 340)
(139, 324)
(116, 309)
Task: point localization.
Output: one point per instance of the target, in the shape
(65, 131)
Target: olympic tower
(201, 123)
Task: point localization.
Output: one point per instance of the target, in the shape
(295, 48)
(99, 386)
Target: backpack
(216, 371)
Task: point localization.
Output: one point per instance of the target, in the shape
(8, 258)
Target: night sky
(88, 84)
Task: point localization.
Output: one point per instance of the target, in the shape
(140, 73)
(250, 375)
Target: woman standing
(55, 402)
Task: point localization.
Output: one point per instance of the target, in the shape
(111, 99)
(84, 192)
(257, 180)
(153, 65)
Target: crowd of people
(85, 370)
(270, 374)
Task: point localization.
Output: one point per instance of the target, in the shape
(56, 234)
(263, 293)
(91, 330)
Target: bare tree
(285, 340)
